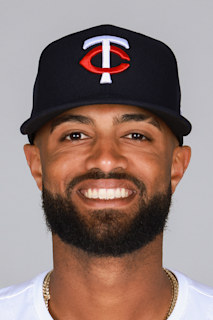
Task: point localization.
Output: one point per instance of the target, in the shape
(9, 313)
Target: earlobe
(181, 158)
(32, 155)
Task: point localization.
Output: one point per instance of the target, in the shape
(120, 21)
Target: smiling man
(106, 150)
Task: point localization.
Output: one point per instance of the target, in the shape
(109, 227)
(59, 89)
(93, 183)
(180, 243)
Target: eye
(75, 136)
(136, 136)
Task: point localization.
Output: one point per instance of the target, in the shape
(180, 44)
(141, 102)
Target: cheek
(153, 169)
(60, 170)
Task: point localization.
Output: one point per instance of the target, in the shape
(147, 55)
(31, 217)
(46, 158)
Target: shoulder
(195, 300)
(201, 289)
(195, 287)
(17, 301)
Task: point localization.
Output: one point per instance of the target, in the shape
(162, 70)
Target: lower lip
(111, 203)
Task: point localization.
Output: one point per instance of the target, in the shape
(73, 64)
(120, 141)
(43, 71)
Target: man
(106, 150)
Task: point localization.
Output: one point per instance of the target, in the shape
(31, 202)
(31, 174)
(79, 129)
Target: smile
(106, 194)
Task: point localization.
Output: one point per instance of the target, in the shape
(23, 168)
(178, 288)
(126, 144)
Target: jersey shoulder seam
(16, 294)
(210, 295)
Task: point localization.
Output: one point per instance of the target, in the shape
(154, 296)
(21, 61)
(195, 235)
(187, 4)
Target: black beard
(106, 232)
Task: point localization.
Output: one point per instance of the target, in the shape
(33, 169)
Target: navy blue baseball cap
(107, 65)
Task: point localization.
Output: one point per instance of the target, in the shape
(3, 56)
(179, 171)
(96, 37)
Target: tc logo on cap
(105, 48)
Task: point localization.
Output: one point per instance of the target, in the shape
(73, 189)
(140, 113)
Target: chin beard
(107, 232)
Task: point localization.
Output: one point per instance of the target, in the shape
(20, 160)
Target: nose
(106, 156)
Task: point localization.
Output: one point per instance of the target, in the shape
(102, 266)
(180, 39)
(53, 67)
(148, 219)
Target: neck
(87, 287)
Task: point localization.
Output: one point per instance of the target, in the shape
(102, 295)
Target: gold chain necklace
(46, 289)
(175, 286)
(170, 275)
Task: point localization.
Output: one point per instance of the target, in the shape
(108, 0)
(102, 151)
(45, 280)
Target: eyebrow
(117, 120)
(70, 118)
(137, 117)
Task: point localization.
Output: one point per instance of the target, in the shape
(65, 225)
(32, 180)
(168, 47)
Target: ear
(181, 158)
(32, 155)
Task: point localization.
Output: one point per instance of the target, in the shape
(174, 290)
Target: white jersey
(25, 301)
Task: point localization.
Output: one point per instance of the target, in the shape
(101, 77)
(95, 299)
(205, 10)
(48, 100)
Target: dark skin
(83, 286)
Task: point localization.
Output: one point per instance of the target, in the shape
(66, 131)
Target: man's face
(106, 175)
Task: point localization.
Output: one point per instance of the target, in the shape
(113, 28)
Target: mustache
(98, 174)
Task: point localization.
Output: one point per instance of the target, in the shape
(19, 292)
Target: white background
(26, 27)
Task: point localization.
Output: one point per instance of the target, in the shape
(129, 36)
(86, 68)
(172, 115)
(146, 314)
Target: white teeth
(106, 194)
(95, 193)
(102, 194)
(110, 194)
(117, 193)
(89, 193)
(123, 193)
